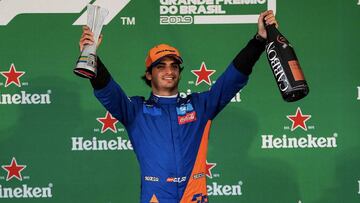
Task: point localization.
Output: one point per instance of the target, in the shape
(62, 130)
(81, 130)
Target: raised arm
(106, 90)
(236, 75)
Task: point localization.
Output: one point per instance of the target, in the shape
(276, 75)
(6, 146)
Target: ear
(148, 76)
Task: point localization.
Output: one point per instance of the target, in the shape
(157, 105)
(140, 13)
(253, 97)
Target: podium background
(325, 35)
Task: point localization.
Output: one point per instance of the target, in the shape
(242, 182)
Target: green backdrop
(49, 117)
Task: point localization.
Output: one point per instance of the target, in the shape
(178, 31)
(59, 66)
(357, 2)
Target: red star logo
(298, 120)
(209, 166)
(12, 76)
(203, 74)
(108, 122)
(13, 170)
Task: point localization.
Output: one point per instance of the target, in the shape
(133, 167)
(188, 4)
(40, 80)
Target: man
(169, 133)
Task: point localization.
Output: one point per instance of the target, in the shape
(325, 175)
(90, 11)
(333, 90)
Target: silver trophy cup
(86, 64)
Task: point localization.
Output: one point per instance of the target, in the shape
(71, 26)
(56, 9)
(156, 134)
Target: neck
(165, 93)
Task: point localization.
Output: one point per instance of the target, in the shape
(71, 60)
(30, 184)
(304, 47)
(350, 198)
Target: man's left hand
(269, 18)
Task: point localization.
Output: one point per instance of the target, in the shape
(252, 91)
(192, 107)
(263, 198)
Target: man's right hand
(87, 38)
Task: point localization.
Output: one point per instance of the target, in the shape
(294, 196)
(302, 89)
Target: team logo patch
(186, 113)
(151, 178)
(176, 180)
(200, 198)
(198, 175)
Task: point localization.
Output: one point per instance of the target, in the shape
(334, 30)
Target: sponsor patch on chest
(186, 113)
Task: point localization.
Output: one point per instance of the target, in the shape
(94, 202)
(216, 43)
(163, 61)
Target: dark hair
(149, 70)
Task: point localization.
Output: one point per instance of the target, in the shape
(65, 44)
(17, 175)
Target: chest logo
(186, 113)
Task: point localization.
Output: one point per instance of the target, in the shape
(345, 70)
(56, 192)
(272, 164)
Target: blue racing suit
(170, 135)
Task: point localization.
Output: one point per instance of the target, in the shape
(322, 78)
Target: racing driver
(169, 133)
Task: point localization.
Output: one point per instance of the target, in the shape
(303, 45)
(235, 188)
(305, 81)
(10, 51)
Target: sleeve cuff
(248, 56)
(103, 76)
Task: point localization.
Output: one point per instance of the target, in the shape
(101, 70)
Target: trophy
(86, 64)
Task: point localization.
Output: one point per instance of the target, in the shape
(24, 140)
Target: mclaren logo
(9, 9)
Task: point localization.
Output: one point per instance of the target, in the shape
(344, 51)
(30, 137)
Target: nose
(169, 69)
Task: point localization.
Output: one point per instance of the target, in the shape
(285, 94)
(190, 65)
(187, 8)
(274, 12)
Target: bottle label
(296, 70)
(282, 41)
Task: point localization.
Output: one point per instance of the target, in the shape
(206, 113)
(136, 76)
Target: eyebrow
(162, 63)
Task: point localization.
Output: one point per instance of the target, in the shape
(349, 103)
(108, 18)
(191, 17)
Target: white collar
(171, 96)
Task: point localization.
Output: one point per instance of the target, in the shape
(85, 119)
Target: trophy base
(86, 66)
(84, 73)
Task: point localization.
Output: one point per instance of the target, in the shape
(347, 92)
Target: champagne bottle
(285, 66)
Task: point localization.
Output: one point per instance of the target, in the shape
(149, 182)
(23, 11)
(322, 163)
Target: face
(165, 77)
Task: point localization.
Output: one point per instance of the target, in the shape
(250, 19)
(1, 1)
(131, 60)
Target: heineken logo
(25, 98)
(13, 77)
(107, 127)
(14, 172)
(95, 144)
(209, 167)
(217, 189)
(26, 191)
(298, 123)
(203, 74)
(298, 120)
(269, 142)
(108, 123)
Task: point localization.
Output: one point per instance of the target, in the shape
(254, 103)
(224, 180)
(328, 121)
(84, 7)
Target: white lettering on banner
(269, 142)
(224, 190)
(358, 3)
(359, 187)
(358, 98)
(210, 2)
(79, 144)
(25, 98)
(10, 9)
(179, 20)
(208, 11)
(26, 192)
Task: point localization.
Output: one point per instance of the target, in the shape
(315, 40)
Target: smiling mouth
(168, 78)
